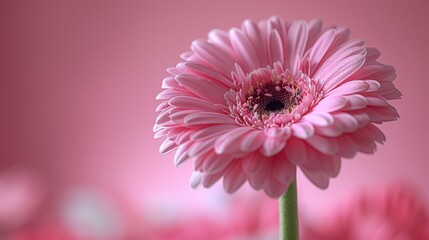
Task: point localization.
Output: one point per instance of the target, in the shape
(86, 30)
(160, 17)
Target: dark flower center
(274, 106)
(268, 99)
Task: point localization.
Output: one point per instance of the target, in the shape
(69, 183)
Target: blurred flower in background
(22, 195)
(394, 213)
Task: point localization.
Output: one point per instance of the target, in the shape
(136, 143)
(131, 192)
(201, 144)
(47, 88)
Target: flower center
(270, 97)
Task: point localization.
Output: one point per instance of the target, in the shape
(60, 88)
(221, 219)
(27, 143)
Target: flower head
(253, 104)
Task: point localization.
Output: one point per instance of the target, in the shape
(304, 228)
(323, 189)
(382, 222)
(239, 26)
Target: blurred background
(78, 160)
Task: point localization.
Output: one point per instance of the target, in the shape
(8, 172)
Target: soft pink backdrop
(78, 81)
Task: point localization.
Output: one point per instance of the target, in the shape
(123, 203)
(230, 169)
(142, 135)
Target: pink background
(78, 81)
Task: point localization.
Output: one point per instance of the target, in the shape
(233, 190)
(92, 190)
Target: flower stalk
(288, 212)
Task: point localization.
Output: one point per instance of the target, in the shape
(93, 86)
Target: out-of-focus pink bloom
(256, 102)
(21, 197)
(247, 219)
(44, 232)
(397, 214)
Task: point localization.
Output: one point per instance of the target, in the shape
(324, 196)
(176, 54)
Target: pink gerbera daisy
(254, 103)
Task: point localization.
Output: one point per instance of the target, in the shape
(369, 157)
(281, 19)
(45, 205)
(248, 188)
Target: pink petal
(258, 179)
(192, 103)
(162, 106)
(376, 101)
(272, 146)
(347, 147)
(330, 104)
(195, 179)
(328, 146)
(355, 102)
(252, 141)
(170, 82)
(331, 165)
(347, 121)
(341, 70)
(276, 47)
(361, 117)
(181, 154)
(221, 39)
(161, 133)
(203, 118)
(234, 178)
(297, 38)
(201, 147)
(275, 188)
(211, 131)
(319, 179)
(278, 132)
(214, 56)
(183, 137)
(314, 30)
(228, 143)
(283, 170)
(171, 93)
(254, 35)
(214, 163)
(320, 47)
(208, 72)
(356, 86)
(333, 130)
(162, 118)
(313, 161)
(209, 179)
(381, 114)
(372, 54)
(396, 94)
(303, 130)
(201, 87)
(253, 163)
(374, 132)
(296, 151)
(167, 146)
(319, 118)
(363, 142)
(244, 50)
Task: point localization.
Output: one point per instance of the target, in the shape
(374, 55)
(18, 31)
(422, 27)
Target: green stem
(288, 207)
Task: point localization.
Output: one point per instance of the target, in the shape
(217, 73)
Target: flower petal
(252, 141)
(228, 142)
(320, 47)
(204, 71)
(319, 118)
(192, 103)
(330, 104)
(328, 146)
(297, 38)
(214, 163)
(272, 146)
(320, 179)
(244, 50)
(254, 35)
(195, 179)
(234, 178)
(283, 170)
(274, 188)
(296, 151)
(214, 56)
(204, 118)
(276, 47)
(203, 88)
(303, 130)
